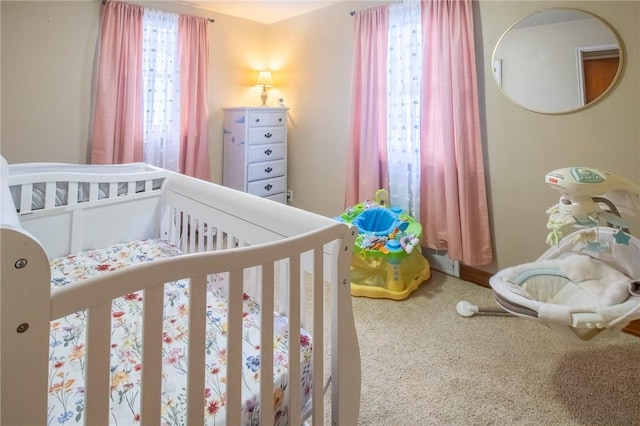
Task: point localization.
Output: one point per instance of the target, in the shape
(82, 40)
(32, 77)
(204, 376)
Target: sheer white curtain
(404, 68)
(161, 89)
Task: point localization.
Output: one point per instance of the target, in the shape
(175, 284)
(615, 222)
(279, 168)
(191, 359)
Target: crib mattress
(67, 346)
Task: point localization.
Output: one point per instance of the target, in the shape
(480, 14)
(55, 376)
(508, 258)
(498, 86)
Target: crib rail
(263, 220)
(37, 186)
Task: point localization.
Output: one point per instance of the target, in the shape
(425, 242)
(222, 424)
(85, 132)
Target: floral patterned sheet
(67, 346)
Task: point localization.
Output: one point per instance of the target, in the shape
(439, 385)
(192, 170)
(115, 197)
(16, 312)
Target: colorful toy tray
(384, 263)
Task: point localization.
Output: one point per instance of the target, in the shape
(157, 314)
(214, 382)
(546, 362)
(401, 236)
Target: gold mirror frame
(542, 61)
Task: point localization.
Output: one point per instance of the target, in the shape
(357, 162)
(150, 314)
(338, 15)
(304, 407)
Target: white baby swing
(589, 281)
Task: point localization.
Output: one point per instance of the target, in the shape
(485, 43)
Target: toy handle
(381, 197)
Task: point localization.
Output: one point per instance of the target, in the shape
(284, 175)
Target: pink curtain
(117, 123)
(454, 203)
(117, 135)
(453, 208)
(193, 41)
(367, 152)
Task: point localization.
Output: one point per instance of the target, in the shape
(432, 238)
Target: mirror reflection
(557, 60)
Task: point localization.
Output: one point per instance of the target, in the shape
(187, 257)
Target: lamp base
(263, 97)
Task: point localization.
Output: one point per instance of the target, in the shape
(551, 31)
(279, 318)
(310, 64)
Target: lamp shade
(264, 79)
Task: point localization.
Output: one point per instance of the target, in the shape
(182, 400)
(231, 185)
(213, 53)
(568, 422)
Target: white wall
(315, 53)
(48, 49)
(47, 63)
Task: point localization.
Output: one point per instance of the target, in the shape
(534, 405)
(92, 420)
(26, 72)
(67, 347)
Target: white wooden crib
(289, 265)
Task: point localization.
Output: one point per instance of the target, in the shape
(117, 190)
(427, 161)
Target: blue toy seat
(376, 221)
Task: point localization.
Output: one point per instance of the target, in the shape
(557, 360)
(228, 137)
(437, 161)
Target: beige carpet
(423, 364)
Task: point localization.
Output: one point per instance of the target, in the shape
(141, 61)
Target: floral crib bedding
(67, 346)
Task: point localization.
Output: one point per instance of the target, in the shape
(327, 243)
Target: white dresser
(255, 151)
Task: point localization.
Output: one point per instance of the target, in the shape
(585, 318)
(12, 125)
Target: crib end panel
(24, 328)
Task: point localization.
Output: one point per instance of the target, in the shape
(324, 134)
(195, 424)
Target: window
(161, 89)
(404, 69)
(158, 114)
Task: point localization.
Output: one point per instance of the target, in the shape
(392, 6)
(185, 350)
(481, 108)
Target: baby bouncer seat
(387, 261)
(589, 281)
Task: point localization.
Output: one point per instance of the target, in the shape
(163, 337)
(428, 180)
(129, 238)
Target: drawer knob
(268, 170)
(268, 152)
(268, 187)
(257, 120)
(267, 135)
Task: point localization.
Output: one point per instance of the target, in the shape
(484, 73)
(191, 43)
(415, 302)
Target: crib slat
(50, 195)
(94, 191)
(196, 358)
(294, 340)
(72, 194)
(26, 196)
(234, 347)
(220, 240)
(210, 237)
(97, 367)
(191, 228)
(150, 406)
(283, 294)
(201, 232)
(183, 231)
(170, 224)
(318, 337)
(113, 189)
(266, 345)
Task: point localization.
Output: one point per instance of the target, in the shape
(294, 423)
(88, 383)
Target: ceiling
(264, 11)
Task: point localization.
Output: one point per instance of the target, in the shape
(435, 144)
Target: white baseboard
(439, 261)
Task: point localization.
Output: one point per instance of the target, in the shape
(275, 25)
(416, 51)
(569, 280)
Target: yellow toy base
(376, 278)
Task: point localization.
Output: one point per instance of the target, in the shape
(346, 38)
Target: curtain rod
(103, 2)
(353, 12)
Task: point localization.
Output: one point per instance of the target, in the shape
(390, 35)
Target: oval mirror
(557, 60)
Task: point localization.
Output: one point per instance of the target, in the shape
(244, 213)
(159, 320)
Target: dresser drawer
(266, 135)
(267, 187)
(279, 198)
(265, 170)
(265, 152)
(258, 118)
